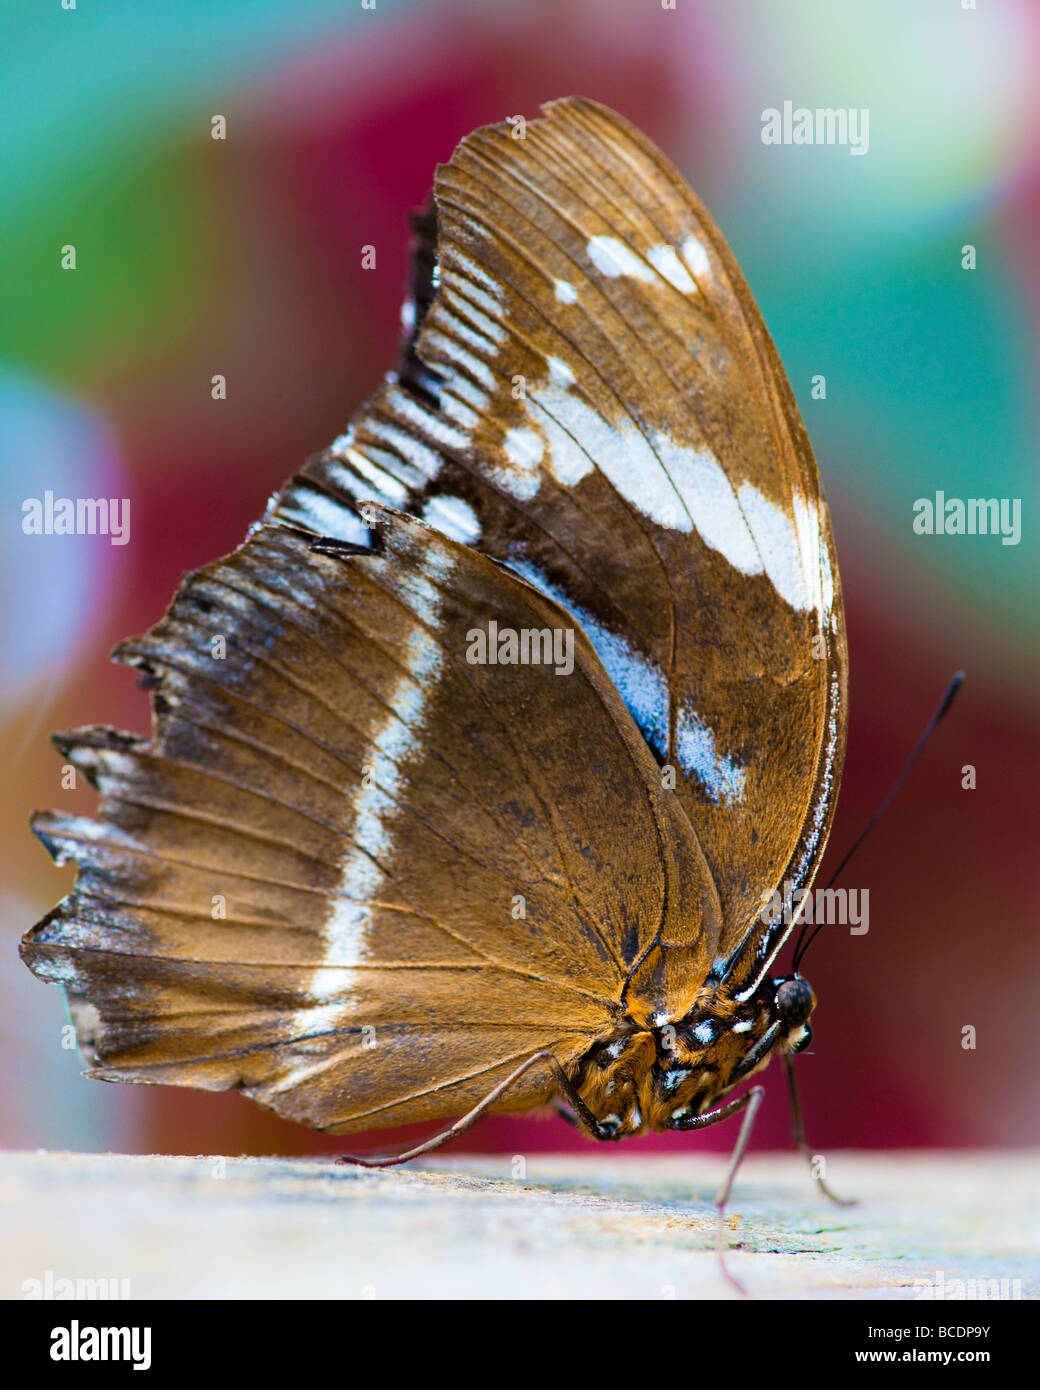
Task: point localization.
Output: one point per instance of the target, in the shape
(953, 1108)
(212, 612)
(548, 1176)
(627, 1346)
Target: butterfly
(473, 767)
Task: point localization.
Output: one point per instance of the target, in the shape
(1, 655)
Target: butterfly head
(794, 1003)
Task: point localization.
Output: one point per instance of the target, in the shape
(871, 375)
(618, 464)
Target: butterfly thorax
(663, 1078)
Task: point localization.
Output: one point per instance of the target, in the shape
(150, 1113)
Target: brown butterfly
(474, 766)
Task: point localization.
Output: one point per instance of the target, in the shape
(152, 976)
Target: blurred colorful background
(241, 257)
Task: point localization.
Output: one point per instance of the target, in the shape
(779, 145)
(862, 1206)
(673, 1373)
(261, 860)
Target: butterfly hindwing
(355, 873)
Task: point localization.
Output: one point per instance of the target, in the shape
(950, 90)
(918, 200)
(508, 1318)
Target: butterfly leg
(568, 1116)
(482, 1106)
(801, 1143)
(748, 1102)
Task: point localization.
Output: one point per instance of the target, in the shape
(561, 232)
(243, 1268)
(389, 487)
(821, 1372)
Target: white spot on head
(764, 1043)
(705, 1032)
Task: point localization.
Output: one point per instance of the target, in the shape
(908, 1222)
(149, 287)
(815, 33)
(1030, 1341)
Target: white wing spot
(708, 496)
(827, 579)
(413, 413)
(462, 387)
(318, 513)
(392, 744)
(695, 256)
(390, 488)
(426, 460)
(781, 543)
(559, 373)
(396, 739)
(454, 517)
(458, 411)
(667, 263)
(559, 416)
(490, 297)
(453, 351)
(721, 777)
(640, 684)
(612, 258)
(523, 447)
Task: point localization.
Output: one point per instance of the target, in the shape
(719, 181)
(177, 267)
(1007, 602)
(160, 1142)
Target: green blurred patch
(929, 388)
(143, 231)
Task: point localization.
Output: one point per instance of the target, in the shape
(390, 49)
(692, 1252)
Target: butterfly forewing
(591, 396)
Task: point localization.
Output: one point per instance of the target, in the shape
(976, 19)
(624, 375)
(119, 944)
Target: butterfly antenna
(936, 719)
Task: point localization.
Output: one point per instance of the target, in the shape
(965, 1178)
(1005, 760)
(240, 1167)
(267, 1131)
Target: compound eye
(804, 1040)
(795, 1001)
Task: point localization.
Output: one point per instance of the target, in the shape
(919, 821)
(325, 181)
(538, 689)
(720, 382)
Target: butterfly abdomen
(615, 1081)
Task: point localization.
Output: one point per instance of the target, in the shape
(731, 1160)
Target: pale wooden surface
(576, 1226)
